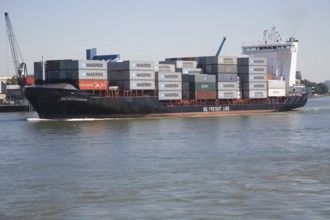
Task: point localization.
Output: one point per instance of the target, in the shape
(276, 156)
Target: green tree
(321, 88)
(12, 81)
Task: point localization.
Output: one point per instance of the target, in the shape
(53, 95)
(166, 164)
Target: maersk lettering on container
(170, 86)
(176, 76)
(170, 95)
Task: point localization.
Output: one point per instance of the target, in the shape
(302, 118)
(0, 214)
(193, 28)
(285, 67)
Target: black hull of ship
(63, 103)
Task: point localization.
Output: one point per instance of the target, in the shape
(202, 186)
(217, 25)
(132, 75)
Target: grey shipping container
(132, 65)
(170, 86)
(253, 77)
(131, 75)
(202, 78)
(185, 86)
(167, 76)
(255, 86)
(169, 95)
(251, 69)
(136, 85)
(186, 94)
(191, 64)
(221, 68)
(165, 68)
(53, 65)
(229, 95)
(37, 67)
(227, 77)
(228, 86)
(276, 92)
(255, 94)
(254, 61)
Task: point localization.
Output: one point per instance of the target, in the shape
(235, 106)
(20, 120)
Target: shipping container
(185, 64)
(252, 69)
(203, 95)
(269, 76)
(186, 94)
(185, 86)
(221, 60)
(191, 71)
(276, 92)
(132, 65)
(222, 86)
(37, 67)
(253, 77)
(221, 68)
(89, 74)
(202, 86)
(136, 84)
(255, 94)
(131, 75)
(29, 80)
(170, 86)
(167, 76)
(252, 61)
(169, 95)
(255, 85)
(276, 84)
(93, 84)
(229, 95)
(165, 68)
(3, 88)
(227, 77)
(202, 78)
(55, 65)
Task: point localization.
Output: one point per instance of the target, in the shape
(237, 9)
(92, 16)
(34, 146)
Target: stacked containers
(225, 70)
(253, 72)
(202, 86)
(132, 75)
(169, 82)
(87, 74)
(276, 88)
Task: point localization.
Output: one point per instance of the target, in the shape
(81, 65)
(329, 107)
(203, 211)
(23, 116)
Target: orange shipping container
(269, 76)
(93, 84)
(29, 80)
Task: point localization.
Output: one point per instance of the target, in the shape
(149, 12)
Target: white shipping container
(276, 84)
(229, 95)
(185, 64)
(169, 95)
(276, 92)
(255, 94)
(165, 68)
(132, 65)
(87, 64)
(91, 74)
(131, 75)
(255, 86)
(166, 76)
(223, 86)
(254, 77)
(3, 88)
(136, 85)
(170, 86)
(190, 71)
(221, 60)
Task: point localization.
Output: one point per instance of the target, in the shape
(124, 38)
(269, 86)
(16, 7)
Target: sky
(155, 30)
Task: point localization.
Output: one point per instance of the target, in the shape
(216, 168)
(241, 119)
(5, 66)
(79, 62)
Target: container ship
(262, 81)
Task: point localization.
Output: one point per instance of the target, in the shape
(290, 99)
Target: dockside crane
(19, 64)
(220, 48)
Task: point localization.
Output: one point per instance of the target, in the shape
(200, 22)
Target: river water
(266, 166)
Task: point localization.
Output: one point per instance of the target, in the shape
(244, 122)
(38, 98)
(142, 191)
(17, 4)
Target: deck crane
(219, 50)
(19, 65)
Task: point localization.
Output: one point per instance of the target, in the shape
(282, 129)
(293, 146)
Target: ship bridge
(281, 56)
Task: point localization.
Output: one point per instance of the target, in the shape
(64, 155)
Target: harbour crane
(220, 48)
(19, 64)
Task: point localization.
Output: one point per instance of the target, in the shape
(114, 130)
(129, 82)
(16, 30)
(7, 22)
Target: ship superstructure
(281, 56)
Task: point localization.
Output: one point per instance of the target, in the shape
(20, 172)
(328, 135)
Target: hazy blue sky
(154, 30)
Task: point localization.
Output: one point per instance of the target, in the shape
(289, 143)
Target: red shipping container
(203, 94)
(93, 84)
(29, 81)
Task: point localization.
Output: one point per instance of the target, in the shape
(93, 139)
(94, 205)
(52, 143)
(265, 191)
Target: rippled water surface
(266, 166)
